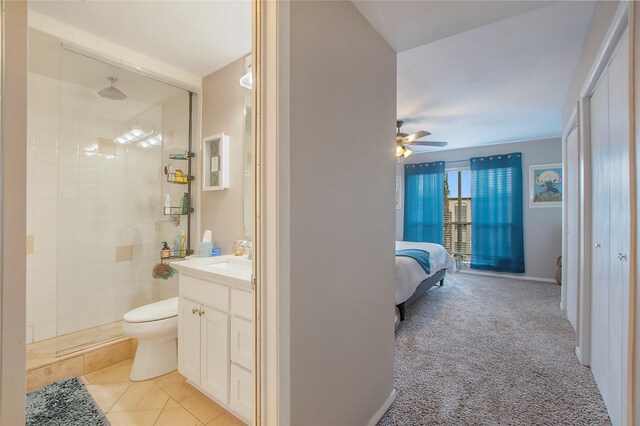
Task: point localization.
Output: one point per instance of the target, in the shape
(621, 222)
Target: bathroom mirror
(247, 163)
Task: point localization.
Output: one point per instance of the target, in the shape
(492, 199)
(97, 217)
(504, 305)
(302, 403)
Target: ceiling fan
(404, 139)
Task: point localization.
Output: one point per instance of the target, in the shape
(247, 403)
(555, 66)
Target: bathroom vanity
(215, 330)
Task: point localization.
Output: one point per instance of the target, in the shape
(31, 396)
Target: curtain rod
(445, 161)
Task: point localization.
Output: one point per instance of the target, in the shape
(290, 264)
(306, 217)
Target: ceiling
(197, 36)
(408, 24)
(499, 77)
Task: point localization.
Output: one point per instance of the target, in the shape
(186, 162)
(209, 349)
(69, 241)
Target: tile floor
(165, 400)
(44, 368)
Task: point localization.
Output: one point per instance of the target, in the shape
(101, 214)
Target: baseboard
(383, 409)
(499, 275)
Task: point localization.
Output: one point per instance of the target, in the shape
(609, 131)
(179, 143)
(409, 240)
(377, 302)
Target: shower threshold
(51, 350)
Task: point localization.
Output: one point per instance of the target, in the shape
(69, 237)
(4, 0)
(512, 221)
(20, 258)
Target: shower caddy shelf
(181, 178)
(189, 179)
(176, 211)
(175, 255)
(186, 156)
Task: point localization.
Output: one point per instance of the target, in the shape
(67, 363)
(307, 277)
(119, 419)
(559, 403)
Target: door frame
(622, 21)
(13, 164)
(571, 125)
(272, 212)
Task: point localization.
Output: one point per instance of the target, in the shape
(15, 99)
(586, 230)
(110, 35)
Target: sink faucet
(247, 244)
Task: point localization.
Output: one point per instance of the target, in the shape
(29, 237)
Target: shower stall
(101, 139)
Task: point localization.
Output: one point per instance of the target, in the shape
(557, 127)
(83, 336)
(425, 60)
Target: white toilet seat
(153, 311)
(153, 329)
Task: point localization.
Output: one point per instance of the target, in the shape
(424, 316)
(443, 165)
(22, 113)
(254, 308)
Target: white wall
(542, 226)
(14, 162)
(223, 112)
(343, 111)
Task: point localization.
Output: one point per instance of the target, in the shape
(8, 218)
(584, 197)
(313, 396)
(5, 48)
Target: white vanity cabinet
(215, 339)
(203, 351)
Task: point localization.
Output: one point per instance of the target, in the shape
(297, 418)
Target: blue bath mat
(64, 403)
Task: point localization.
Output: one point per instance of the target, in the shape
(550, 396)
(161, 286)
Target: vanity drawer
(242, 343)
(242, 304)
(211, 294)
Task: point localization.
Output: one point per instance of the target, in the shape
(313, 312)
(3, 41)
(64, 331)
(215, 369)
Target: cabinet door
(241, 400)
(242, 342)
(215, 353)
(189, 340)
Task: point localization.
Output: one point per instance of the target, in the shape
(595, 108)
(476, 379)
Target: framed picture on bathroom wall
(215, 162)
(545, 185)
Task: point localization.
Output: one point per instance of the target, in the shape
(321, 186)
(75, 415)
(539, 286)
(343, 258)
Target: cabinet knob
(201, 313)
(597, 245)
(195, 310)
(622, 256)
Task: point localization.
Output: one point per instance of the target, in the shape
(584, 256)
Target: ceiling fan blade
(416, 135)
(428, 143)
(401, 136)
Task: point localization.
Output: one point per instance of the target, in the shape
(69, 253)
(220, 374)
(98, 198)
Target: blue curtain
(424, 202)
(497, 242)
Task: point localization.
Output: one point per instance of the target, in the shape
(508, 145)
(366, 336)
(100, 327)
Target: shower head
(112, 92)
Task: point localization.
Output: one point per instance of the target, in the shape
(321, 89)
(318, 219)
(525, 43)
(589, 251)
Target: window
(457, 212)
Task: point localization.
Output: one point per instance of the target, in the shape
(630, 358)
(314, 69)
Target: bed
(412, 281)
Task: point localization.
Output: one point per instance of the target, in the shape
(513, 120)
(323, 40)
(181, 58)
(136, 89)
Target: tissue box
(205, 249)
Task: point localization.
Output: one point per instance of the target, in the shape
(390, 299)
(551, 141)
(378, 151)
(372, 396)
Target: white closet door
(610, 228)
(618, 227)
(572, 191)
(600, 231)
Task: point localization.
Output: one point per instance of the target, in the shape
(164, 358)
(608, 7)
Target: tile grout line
(192, 413)
(163, 407)
(114, 404)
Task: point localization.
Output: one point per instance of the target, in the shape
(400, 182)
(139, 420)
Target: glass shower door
(117, 128)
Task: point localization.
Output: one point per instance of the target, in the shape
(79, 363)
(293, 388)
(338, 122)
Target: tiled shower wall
(94, 210)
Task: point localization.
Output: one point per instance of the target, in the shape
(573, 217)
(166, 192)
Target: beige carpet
(486, 351)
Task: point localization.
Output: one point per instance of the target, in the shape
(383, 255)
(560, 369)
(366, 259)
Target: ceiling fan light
(400, 150)
(407, 152)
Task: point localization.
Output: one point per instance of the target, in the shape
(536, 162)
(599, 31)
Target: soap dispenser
(166, 251)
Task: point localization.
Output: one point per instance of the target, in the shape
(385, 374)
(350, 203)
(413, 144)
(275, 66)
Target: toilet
(156, 327)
